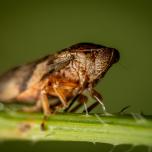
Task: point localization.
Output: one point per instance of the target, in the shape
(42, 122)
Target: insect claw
(43, 126)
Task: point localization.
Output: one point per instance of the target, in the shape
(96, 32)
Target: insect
(56, 81)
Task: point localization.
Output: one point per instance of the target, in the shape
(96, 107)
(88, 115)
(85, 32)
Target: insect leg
(45, 103)
(82, 100)
(46, 109)
(86, 109)
(61, 96)
(92, 106)
(94, 94)
(35, 108)
(71, 103)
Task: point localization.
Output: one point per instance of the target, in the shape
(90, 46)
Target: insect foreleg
(97, 96)
(92, 106)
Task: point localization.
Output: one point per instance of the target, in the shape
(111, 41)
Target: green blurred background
(32, 29)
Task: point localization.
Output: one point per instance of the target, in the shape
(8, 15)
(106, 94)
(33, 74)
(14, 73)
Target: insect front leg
(92, 106)
(97, 96)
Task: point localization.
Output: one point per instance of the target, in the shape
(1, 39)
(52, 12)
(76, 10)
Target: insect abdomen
(14, 81)
(21, 78)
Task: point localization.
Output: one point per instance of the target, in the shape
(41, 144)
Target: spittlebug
(54, 82)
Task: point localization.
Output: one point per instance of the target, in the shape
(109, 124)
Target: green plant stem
(125, 129)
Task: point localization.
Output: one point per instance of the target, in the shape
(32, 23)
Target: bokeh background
(32, 29)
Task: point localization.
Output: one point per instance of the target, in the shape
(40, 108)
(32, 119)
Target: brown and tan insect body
(53, 81)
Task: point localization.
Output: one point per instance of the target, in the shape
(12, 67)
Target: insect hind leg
(45, 103)
(82, 100)
(35, 108)
(71, 103)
